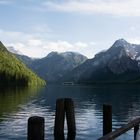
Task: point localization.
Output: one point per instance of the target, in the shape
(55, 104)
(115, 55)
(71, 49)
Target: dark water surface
(16, 106)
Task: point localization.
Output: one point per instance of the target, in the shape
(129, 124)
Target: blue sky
(37, 27)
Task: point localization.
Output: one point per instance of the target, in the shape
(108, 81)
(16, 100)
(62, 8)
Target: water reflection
(12, 100)
(17, 107)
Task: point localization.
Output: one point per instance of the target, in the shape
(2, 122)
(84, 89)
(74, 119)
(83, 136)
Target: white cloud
(34, 42)
(135, 40)
(38, 46)
(14, 36)
(59, 46)
(93, 43)
(112, 7)
(81, 44)
(63, 46)
(132, 28)
(28, 44)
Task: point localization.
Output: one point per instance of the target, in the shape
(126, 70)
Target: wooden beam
(121, 130)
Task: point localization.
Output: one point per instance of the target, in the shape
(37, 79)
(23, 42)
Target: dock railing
(107, 125)
(65, 109)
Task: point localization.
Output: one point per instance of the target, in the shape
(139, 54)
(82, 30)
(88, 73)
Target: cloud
(42, 48)
(81, 44)
(111, 7)
(62, 46)
(28, 44)
(135, 40)
(132, 28)
(34, 42)
(37, 46)
(59, 46)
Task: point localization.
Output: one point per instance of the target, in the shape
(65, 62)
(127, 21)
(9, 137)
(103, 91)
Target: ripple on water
(88, 111)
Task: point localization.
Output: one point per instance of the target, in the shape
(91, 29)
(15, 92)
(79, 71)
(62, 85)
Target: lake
(17, 105)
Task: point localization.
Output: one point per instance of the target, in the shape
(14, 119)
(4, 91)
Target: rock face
(52, 67)
(120, 63)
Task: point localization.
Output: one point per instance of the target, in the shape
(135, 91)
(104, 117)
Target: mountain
(25, 59)
(52, 67)
(55, 65)
(14, 72)
(119, 64)
(13, 50)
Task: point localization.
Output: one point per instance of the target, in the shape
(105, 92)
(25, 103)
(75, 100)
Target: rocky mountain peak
(120, 42)
(53, 53)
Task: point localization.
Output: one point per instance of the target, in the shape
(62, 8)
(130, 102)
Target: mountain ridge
(52, 67)
(117, 64)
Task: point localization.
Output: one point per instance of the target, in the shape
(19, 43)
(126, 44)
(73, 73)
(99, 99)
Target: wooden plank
(121, 130)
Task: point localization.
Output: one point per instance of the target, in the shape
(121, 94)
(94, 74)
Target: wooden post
(70, 118)
(136, 128)
(36, 128)
(107, 119)
(121, 130)
(59, 120)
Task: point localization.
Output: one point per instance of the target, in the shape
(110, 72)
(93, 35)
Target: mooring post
(59, 120)
(107, 119)
(70, 118)
(36, 128)
(136, 128)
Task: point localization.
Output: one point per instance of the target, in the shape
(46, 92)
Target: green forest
(14, 72)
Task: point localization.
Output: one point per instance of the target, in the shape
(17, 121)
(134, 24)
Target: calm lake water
(16, 106)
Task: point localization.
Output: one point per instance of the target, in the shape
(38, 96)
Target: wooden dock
(65, 109)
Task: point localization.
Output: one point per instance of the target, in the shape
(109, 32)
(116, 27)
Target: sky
(37, 27)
